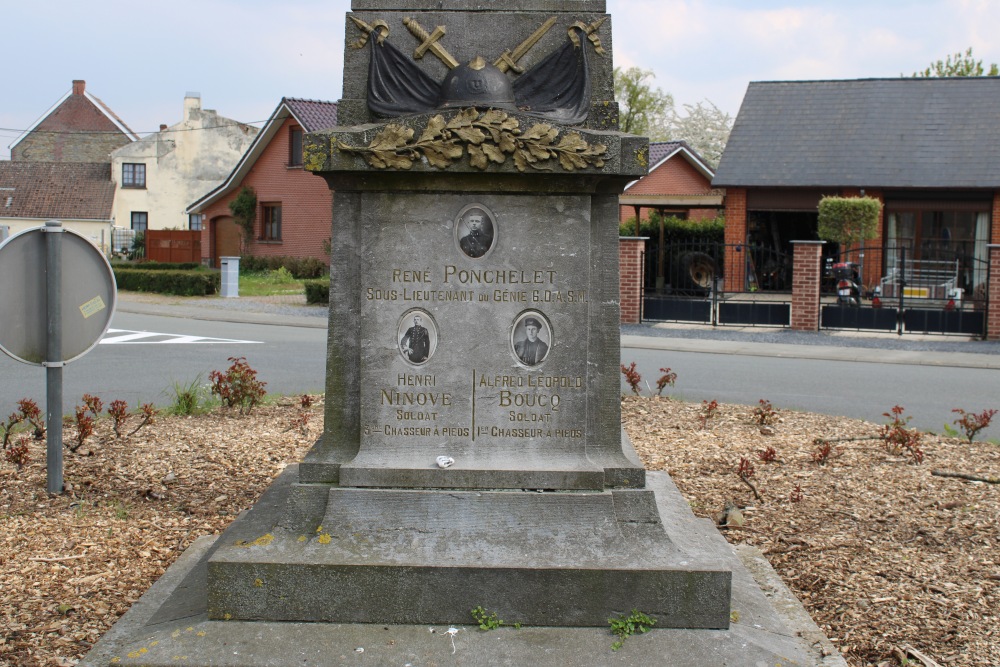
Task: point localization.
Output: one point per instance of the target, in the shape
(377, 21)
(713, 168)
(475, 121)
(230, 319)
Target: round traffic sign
(88, 291)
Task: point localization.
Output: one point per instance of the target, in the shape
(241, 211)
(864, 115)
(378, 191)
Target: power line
(102, 132)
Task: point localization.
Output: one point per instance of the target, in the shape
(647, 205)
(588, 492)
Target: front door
(225, 239)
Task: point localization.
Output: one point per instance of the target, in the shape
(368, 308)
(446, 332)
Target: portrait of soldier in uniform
(417, 342)
(530, 337)
(475, 231)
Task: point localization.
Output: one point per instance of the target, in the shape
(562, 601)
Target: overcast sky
(243, 55)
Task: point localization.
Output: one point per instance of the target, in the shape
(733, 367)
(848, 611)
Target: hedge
(676, 229)
(301, 268)
(181, 283)
(157, 266)
(317, 291)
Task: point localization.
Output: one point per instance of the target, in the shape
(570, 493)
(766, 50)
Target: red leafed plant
(667, 379)
(897, 439)
(973, 422)
(238, 387)
(632, 377)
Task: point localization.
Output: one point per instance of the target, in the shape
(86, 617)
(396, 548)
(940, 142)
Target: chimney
(192, 102)
(163, 126)
(79, 85)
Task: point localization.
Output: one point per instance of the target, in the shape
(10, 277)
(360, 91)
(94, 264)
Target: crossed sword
(431, 41)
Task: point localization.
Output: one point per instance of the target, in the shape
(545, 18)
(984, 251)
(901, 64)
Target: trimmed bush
(848, 220)
(301, 268)
(181, 283)
(157, 266)
(676, 229)
(317, 291)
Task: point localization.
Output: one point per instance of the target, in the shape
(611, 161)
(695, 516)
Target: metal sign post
(53, 355)
(58, 298)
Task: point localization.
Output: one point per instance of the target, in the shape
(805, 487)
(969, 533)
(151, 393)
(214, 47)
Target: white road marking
(124, 336)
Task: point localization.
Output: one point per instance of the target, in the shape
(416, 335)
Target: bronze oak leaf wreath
(491, 136)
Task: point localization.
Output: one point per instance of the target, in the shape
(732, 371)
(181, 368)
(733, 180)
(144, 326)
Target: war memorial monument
(472, 453)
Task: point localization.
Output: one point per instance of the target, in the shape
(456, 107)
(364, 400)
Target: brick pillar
(995, 219)
(993, 294)
(806, 272)
(736, 234)
(630, 271)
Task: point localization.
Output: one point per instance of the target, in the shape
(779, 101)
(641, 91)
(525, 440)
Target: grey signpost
(58, 298)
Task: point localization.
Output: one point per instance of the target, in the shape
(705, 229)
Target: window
(271, 227)
(140, 220)
(133, 175)
(194, 222)
(295, 147)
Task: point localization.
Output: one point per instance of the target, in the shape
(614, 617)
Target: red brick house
(294, 212)
(77, 128)
(679, 183)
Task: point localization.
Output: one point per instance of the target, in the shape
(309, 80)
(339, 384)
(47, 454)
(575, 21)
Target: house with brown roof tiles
(79, 127)
(294, 209)
(80, 194)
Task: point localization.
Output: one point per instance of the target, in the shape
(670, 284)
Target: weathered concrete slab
(170, 626)
(405, 556)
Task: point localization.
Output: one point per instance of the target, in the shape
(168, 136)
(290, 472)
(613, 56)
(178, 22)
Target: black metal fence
(687, 282)
(904, 291)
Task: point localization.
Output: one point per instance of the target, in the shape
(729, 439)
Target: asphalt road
(140, 367)
(145, 369)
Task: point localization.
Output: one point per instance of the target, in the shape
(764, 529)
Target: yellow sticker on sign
(92, 307)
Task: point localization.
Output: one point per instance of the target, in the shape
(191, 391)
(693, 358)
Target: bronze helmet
(477, 84)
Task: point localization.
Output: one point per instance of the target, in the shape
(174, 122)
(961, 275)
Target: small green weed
(624, 627)
(121, 511)
(489, 621)
(190, 398)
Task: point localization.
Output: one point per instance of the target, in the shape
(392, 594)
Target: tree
(641, 108)
(244, 210)
(705, 128)
(647, 111)
(848, 220)
(960, 64)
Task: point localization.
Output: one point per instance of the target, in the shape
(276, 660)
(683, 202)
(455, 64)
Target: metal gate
(685, 283)
(939, 292)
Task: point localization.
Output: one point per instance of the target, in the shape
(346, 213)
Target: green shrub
(317, 291)
(158, 266)
(676, 229)
(301, 268)
(848, 220)
(181, 283)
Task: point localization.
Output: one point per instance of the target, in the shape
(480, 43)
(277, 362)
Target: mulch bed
(894, 563)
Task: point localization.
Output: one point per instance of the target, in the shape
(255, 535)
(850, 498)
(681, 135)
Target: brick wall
(630, 278)
(305, 199)
(736, 233)
(805, 285)
(674, 177)
(995, 219)
(993, 313)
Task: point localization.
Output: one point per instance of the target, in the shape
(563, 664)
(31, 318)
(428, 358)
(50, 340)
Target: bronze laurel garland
(488, 137)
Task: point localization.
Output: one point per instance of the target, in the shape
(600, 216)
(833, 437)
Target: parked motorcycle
(848, 284)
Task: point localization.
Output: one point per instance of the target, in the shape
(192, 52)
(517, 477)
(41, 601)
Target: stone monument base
(170, 625)
(422, 556)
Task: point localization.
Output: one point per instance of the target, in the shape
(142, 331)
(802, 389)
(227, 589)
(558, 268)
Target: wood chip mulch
(896, 565)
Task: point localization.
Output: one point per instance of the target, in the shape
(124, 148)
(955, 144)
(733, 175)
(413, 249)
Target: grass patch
(270, 283)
